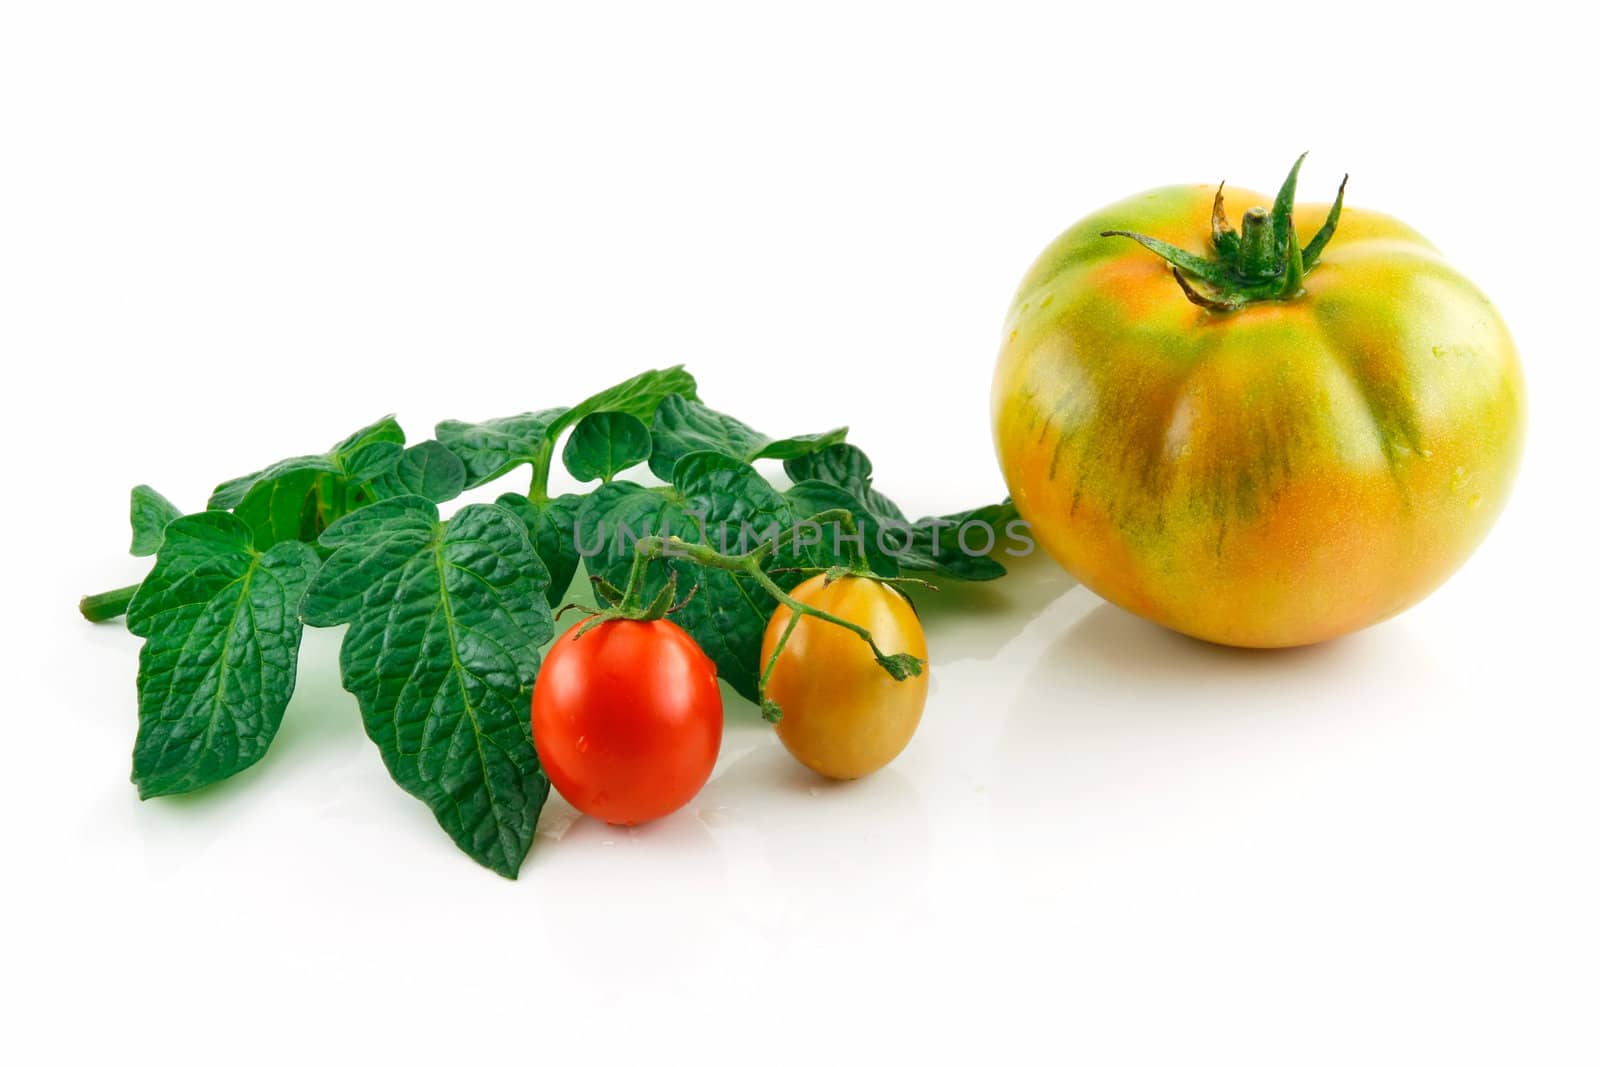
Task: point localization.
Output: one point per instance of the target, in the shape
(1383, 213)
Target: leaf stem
(103, 607)
(539, 480)
(751, 564)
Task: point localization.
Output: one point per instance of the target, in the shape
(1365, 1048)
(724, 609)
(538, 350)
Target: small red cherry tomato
(627, 719)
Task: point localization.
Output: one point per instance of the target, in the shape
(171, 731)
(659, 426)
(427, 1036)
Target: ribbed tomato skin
(1273, 476)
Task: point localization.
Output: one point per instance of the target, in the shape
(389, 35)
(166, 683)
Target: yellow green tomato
(1266, 436)
(844, 716)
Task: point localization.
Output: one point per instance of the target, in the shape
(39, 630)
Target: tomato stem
(103, 607)
(769, 708)
(898, 665)
(1263, 261)
(752, 564)
(1256, 256)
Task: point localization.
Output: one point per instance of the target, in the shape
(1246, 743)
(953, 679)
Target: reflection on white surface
(1122, 735)
(809, 847)
(629, 905)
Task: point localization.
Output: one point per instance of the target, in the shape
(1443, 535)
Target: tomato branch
(102, 607)
(752, 564)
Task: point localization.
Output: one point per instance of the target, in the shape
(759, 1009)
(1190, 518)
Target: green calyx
(1262, 260)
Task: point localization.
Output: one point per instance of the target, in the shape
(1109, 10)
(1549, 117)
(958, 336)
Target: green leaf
(428, 470)
(231, 493)
(682, 426)
(385, 431)
(945, 545)
(446, 620)
(800, 444)
(931, 544)
(812, 497)
(221, 631)
(148, 514)
(371, 461)
(639, 396)
(350, 457)
(296, 498)
(715, 500)
(490, 449)
(551, 525)
(605, 444)
(289, 506)
(848, 467)
(843, 465)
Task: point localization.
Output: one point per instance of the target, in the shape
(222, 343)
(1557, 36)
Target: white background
(230, 233)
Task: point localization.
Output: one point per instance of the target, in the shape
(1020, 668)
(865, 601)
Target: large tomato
(1292, 438)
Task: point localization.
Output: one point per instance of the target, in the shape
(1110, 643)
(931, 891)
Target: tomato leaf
(221, 631)
(148, 514)
(682, 426)
(350, 456)
(289, 507)
(231, 494)
(935, 544)
(605, 444)
(551, 525)
(639, 396)
(813, 497)
(843, 465)
(446, 620)
(957, 546)
(296, 498)
(714, 500)
(800, 444)
(370, 461)
(490, 449)
(385, 431)
(429, 470)
(848, 467)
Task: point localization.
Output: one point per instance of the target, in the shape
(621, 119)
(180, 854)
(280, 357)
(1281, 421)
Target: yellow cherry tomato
(844, 716)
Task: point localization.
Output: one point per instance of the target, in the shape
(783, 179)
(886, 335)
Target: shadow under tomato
(1116, 705)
